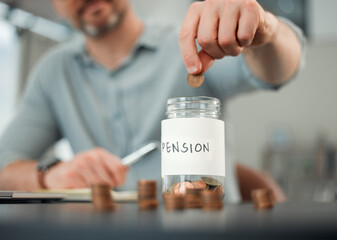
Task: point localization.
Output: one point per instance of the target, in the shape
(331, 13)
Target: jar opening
(192, 107)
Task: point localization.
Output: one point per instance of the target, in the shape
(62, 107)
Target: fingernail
(192, 69)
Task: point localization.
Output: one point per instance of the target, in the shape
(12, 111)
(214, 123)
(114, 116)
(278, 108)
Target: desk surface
(239, 221)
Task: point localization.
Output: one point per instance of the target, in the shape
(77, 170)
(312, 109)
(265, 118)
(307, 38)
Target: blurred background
(292, 134)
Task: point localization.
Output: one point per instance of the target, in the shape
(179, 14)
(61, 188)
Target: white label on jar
(193, 146)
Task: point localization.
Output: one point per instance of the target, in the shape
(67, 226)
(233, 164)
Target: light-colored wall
(306, 107)
(322, 19)
(161, 10)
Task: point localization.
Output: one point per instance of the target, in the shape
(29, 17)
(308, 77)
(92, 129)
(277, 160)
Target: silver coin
(171, 188)
(210, 181)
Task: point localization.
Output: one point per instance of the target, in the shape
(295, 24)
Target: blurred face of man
(94, 17)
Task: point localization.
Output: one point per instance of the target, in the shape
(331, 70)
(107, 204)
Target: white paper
(193, 146)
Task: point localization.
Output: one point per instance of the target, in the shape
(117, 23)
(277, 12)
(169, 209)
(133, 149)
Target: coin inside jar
(218, 189)
(199, 184)
(210, 181)
(195, 80)
(171, 188)
(180, 188)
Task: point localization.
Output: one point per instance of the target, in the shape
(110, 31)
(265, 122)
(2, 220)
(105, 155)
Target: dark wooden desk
(235, 221)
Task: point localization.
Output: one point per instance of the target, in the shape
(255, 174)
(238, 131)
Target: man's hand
(223, 28)
(91, 167)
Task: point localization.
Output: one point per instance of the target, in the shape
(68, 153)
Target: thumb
(206, 61)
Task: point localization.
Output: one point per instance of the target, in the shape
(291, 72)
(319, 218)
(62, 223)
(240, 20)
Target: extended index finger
(187, 36)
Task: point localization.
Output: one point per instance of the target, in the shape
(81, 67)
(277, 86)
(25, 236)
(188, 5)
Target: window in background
(9, 45)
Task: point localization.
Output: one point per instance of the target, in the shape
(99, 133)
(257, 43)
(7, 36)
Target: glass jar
(193, 145)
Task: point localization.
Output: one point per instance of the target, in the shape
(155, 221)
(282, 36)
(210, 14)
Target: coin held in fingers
(195, 80)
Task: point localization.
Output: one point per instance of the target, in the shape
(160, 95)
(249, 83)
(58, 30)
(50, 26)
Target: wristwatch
(42, 169)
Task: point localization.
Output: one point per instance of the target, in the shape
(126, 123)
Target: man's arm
(277, 61)
(95, 166)
(32, 131)
(229, 28)
(20, 175)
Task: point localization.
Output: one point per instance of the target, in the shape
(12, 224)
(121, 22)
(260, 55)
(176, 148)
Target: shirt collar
(150, 38)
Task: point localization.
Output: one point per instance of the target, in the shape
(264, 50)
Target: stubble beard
(112, 24)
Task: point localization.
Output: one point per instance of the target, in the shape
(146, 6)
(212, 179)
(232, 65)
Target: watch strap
(42, 170)
(40, 179)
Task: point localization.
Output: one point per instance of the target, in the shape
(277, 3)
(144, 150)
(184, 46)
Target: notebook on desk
(84, 195)
(68, 195)
(19, 196)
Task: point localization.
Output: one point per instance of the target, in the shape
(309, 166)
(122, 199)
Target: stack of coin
(101, 197)
(211, 200)
(193, 197)
(147, 194)
(262, 198)
(174, 201)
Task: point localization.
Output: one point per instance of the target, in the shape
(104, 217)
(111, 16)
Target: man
(107, 94)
